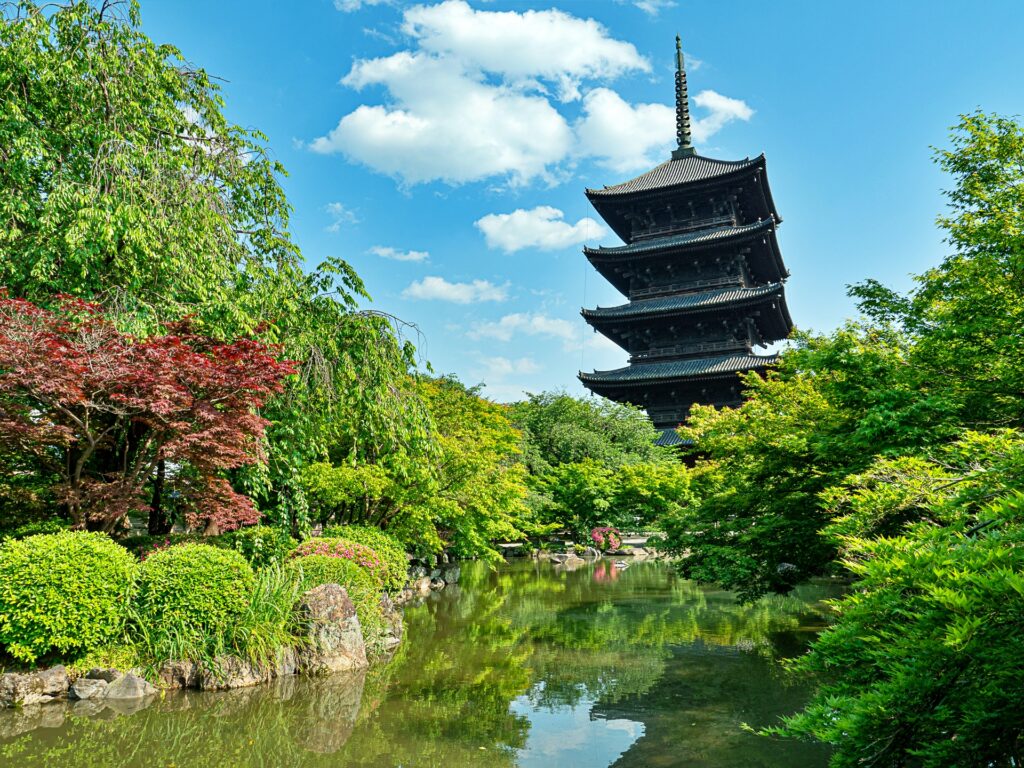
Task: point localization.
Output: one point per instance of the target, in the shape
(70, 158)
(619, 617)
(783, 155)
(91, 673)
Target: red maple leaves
(116, 418)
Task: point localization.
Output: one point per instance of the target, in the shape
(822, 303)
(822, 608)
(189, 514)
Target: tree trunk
(159, 520)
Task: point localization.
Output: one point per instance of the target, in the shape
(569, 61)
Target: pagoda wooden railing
(690, 225)
(689, 286)
(679, 350)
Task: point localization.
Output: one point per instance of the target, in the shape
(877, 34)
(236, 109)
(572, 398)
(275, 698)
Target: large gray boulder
(129, 686)
(86, 688)
(332, 638)
(229, 672)
(24, 689)
(178, 674)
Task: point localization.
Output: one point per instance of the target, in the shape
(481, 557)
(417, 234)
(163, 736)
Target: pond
(530, 665)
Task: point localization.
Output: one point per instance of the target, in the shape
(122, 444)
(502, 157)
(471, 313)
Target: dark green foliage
(394, 563)
(141, 546)
(261, 545)
(193, 590)
(34, 528)
(63, 593)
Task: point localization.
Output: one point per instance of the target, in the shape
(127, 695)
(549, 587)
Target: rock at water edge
(333, 639)
(24, 689)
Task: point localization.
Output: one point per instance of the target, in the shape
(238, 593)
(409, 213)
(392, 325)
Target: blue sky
(443, 148)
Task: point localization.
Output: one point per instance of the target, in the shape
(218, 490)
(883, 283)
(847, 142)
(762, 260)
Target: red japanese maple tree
(123, 422)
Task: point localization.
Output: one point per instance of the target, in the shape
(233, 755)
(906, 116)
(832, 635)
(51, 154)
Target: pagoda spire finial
(683, 140)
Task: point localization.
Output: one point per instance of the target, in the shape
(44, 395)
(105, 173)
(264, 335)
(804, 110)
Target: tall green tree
(123, 182)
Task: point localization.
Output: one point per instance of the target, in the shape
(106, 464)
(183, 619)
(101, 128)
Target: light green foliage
(123, 180)
(63, 593)
(833, 403)
(479, 478)
(192, 594)
(464, 486)
(261, 545)
(587, 494)
(925, 658)
(593, 463)
(394, 563)
(350, 492)
(561, 429)
(269, 622)
(34, 529)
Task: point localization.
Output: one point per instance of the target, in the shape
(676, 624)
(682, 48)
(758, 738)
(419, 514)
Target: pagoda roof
(684, 302)
(673, 370)
(672, 173)
(669, 437)
(697, 237)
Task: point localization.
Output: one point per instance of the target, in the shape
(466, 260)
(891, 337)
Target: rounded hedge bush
(193, 588)
(63, 593)
(361, 555)
(261, 545)
(395, 564)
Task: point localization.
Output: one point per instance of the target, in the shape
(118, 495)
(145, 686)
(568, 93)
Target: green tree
(562, 429)
(924, 663)
(124, 183)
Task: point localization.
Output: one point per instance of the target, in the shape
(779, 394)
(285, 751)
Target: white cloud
(470, 101)
(500, 368)
(631, 137)
(624, 137)
(525, 323)
(541, 227)
(721, 111)
(459, 293)
(653, 7)
(340, 215)
(549, 45)
(446, 125)
(347, 6)
(396, 255)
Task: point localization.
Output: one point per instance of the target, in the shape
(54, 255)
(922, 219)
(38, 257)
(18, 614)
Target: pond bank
(525, 666)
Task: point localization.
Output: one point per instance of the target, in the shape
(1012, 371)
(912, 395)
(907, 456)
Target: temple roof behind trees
(670, 437)
(671, 173)
(683, 302)
(670, 370)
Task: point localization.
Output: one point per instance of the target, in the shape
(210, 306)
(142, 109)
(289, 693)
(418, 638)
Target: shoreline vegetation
(168, 364)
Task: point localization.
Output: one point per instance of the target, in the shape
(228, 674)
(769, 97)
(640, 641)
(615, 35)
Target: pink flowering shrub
(606, 538)
(360, 554)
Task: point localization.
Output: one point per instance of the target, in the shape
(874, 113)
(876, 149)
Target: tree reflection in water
(485, 671)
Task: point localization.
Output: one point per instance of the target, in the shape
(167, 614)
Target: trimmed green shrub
(261, 545)
(63, 593)
(362, 586)
(194, 592)
(360, 554)
(388, 548)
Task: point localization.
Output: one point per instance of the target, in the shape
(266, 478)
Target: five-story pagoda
(703, 274)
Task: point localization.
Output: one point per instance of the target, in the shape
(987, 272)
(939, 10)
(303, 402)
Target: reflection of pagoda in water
(703, 274)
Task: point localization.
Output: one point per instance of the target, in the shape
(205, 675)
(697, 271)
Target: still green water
(527, 666)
